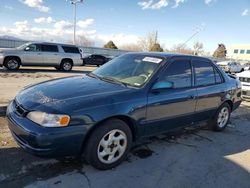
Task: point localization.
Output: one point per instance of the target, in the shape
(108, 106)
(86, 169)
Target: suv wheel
(109, 144)
(66, 65)
(12, 63)
(221, 118)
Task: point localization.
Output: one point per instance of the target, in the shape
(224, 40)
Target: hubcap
(12, 64)
(67, 66)
(112, 146)
(223, 117)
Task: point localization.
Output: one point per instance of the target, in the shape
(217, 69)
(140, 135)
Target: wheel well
(130, 122)
(230, 104)
(18, 58)
(67, 59)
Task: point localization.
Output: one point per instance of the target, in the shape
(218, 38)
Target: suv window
(218, 78)
(70, 49)
(204, 73)
(49, 48)
(178, 72)
(34, 48)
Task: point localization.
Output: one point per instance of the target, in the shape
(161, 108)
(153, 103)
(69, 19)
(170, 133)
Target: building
(240, 52)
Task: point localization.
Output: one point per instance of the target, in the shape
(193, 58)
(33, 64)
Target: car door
(171, 108)
(51, 55)
(32, 55)
(210, 88)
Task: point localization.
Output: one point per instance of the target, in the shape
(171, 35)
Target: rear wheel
(109, 144)
(12, 63)
(66, 65)
(221, 118)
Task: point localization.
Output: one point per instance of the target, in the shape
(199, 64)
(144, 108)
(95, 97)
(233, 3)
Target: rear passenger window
(218, 78)
(204, 73)
(69, 49)
(179, 72)
(49, 48)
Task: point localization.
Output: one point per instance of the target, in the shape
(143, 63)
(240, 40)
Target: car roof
(169, 55)
(52, 43)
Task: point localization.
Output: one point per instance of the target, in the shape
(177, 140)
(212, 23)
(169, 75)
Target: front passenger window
(179, 73)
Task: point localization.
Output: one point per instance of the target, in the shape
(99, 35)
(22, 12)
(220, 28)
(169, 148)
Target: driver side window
(179, 73)
(34, 48)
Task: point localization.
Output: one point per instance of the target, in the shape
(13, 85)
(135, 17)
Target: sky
(126, 21)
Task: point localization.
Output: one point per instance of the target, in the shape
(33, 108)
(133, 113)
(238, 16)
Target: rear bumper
(1, 60)
(42, 141)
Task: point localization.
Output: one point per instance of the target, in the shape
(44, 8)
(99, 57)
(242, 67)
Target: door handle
(191, 97)
(39, 53)
(55, 54)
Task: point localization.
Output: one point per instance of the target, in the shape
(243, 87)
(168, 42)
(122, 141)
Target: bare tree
(131, 47)
(198, 48)
(83, 41)
(180, 48)
(146, 43)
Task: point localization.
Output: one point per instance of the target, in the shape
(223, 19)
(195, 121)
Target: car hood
(223, 63)
(245, 74)
(70, 91)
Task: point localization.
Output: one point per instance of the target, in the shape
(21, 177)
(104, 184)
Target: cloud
(151, 4)
(37, 4)
(119, 39)
(8, 7)
(245, 12)
(178, 2)
(22, 26)
(85, 23)
(62, 25)
(43, 20)
(209, 2)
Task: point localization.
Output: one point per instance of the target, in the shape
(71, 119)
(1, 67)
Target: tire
(116, 146)
(12, 63)
(221, 119)
(66, 65)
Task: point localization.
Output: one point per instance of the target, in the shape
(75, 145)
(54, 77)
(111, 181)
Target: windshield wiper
(110, 79)
(93, 75)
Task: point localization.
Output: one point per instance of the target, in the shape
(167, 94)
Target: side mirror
(27, 49)
(162, 85)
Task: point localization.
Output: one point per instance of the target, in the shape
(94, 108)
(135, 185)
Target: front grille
(247, 93)
(242, 79)
(19, 109)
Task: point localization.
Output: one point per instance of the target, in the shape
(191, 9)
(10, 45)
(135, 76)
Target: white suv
(61, 56)
(244, 77)
(231, 66)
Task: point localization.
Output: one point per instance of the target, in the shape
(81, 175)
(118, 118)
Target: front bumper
(43, 141)
(245, 93)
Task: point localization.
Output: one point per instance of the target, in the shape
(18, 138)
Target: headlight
(49, 120)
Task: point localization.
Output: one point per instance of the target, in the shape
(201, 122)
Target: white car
(231, 66)
(244, 77)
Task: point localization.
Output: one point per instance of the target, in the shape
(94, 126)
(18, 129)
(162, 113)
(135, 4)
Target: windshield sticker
(152, 59)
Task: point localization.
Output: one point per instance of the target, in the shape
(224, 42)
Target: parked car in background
(244, 77)
(231, 66)
(95, 59)
(61, 56)
(246, 66)
(136, 95)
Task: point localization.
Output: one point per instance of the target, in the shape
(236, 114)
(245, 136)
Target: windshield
(131, 69)
(23, 46)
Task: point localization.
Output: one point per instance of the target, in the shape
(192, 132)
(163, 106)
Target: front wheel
(221, 118)
(109, 144)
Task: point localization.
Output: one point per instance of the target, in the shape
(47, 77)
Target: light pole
(74, 3)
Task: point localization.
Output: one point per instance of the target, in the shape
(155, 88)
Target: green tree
(220, 52)
(156, 48)
(111, 45)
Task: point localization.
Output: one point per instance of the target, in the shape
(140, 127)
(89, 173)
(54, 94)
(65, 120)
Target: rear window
(69, 49)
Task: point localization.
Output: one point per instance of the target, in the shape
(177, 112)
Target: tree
(156, 48)
(111, 45)
(220, 52)
(131, 47)
(83, 41)
(180, 48)
(146, 43)
(198, 48)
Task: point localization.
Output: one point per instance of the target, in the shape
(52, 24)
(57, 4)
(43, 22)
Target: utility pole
(74, 3)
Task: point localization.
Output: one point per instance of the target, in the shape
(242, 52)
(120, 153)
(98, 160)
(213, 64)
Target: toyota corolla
(99, 115)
